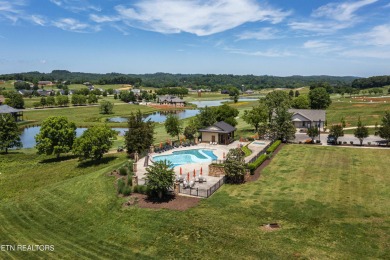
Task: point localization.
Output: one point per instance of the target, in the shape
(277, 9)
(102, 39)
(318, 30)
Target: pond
(28, 135)
(214, 103)
(160, 116)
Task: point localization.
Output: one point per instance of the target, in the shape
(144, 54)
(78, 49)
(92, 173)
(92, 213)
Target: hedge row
(253, 166)
(273, 147)
(246, 150)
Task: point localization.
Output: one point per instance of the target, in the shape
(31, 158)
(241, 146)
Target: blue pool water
(187, 156)
(260, 143)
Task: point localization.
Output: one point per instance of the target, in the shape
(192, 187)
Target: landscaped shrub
(121, 185)
(339, 142)
(123, 171)
(130, 179)
(273, 147)
(351, 142)
(344, 142)
(142, 189)
(369, 143)
(253, 166)
(318, 141)
(135, 188)
(126, 190)
(251, 139)
(246, 150)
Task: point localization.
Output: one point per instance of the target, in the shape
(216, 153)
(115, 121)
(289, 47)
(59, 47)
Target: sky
(279, 37)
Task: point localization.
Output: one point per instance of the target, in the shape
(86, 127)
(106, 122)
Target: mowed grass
(370, 113)
(330, 202)
(86, 115)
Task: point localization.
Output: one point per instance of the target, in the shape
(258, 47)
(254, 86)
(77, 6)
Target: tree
(235, 166)
(190, 130)
(319, 98)
(92, 98)
(361, 131)
(312, 132)
(297, 93)
(43, 101)
(14, 100)
(281, 125)
(160, 178)
(301, 102)
(140, 134)
(384, 129)
(276, 99)
(291, 93)
(106, 107)
(9, 133)
(50, 101)
(206, 117)
(226, 113)
(56, 136)
(257, 116)
(62, 100)
(93, 143)
(336, 131)
(173, 126)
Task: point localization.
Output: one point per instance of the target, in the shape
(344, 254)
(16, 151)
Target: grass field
(330, 202)
(370, 113)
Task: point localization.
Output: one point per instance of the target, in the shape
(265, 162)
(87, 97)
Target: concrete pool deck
(218, 150)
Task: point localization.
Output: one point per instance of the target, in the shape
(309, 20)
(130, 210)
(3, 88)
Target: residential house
(221, 133)
(171, 100)
(26, 92)
(305, 118)
(136, 92)
(249, 92)
(44, 83)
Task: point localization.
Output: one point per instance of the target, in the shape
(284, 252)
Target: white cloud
(104, 18)
(367, 53)
(341, 11)
(321, 47)
(377, 36)
(332, 17)
(262, 34)
(11, 10)
(76, 5)
(198, 17)
(313, 44)
(40, 20)
(271, 53)
(73, 25)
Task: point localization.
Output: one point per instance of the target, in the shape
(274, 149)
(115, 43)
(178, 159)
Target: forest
(197, 81)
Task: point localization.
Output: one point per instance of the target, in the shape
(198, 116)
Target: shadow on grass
(10, 152)
(104, 160)
(60, 159)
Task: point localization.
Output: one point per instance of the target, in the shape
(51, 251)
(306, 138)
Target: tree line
(167, 80)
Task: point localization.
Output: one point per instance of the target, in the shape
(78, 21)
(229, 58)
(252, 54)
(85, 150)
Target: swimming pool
(259, 143)
(187, 156)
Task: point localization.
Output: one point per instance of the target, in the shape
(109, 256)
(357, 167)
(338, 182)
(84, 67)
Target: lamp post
(319, 129)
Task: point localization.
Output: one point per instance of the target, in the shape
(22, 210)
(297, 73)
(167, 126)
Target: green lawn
(331, 203)
(370, 113)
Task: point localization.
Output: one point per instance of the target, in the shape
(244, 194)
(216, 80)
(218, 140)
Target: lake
(28, 135)
(161, 116)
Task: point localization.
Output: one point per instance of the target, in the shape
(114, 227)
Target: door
(213, 138)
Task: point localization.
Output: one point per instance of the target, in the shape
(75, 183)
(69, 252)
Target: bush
(135, 189)
(121, 185)
(246, 150)
(351, 142)
(126, 191)
(273, 147)
(142, 189)
(253, 166)
(123, 171)
(369, 143)
(339, 142)
(318, 141)
(250, 139)
(344, 142)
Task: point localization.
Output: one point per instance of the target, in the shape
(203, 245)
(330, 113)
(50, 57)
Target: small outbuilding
(16, 113)
(221, 133)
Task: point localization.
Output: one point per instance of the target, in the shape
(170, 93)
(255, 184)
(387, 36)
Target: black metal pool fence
(202, 192)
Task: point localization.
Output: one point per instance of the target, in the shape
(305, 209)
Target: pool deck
(218, 150)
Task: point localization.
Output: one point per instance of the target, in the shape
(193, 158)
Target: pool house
(220, 133)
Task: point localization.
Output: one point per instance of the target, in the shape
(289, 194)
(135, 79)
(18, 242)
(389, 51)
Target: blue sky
(280, 37)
